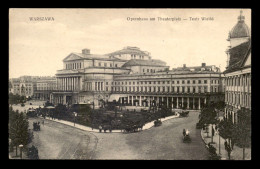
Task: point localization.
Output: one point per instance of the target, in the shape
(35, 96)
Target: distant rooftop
(139, 62)
(130, 50)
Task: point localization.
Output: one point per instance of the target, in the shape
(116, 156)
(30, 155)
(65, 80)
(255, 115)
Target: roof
(90, 56)
(240, 29)
(130, 50)
(237, 56)
(139, 62)
(194, 67)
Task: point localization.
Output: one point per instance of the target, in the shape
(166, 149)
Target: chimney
(203, 64)
(184, 65)
(86, 51)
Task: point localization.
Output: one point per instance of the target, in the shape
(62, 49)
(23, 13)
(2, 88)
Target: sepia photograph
(129, 84)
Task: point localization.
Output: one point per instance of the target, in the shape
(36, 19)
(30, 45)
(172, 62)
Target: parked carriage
(107, 127)
(186, 136)
(184, 114)
(36, 126)
(157, 123)
(31, 113)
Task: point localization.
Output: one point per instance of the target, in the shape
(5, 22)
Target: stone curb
(115, 131)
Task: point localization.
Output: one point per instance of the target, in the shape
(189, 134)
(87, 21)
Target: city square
(128, 103)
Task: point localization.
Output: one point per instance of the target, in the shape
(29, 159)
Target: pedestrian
(100, 128)
(43, 122)
(213, 132)
(229, 151)
(184, 132)
(225, 143)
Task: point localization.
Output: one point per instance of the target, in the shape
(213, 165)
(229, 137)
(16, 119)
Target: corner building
(238, 70)
(130, 76)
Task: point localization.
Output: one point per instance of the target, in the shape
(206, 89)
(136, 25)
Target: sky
(37, 48)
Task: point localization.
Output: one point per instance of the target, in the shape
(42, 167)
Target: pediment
(72, 56)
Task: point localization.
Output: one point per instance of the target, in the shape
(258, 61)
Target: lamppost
(75, 115)
(21, 154)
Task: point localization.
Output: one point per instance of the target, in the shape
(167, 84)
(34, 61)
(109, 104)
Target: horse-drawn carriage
(186, 136)
(105, 127)
(36, 126)
(157, 123)
(133, 127)
(184, 114)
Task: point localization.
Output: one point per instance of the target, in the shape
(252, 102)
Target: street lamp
(75, 115)
(21, 146)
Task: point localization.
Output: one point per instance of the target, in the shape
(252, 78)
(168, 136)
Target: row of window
(151, 70)
(238, 99)
(136, 56)
(100, 64)
(243, 80)
(168, 82)
(45, 88)
(166, 89)
(73, 65)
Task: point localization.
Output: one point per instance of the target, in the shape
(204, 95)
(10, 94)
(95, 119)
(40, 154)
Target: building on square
(36, 87)
(238, 70)
(22, 86)
(183, 87)
(44, 87)
(130, 76)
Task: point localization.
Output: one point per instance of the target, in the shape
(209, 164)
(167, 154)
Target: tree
(208, 115)
(18, 128)
(226, 131)
(242, 130)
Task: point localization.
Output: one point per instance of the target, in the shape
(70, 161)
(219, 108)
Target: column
(64, 99)
(193, 103)
(76, 85)
(167, 99)
(172, 102)
(177, 103)
(182, 102)
(71, 83)
(127, 99)
(205, 102)
(188, 103)
(80, 84)
(162, 100)
(68, 83)
(63, 83)
(140, 101)
(72, 86)
(199, 103)
(152, 100)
